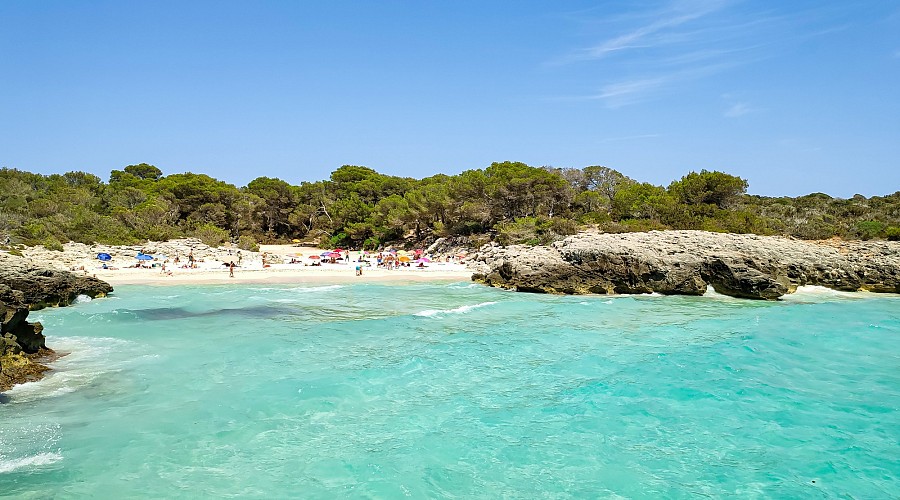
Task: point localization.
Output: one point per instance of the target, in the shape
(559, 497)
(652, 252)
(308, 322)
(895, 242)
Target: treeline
(358, 207)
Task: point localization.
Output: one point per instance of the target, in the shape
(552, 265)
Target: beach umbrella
(338, 250)
(104, 256)
(423, 259)
(295, 241)
(402, 252)
(334, 254)
(404, 259)
(316, 257)
(143, 256)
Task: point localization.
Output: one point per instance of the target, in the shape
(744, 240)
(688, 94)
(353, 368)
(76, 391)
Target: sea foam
(10, 465)
(430, 313)
(88, 359)
(814, 294)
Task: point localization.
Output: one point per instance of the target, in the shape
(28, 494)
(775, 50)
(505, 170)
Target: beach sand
(253, 271)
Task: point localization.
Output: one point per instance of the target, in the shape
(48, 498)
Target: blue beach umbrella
(143, 256)
(104, 256)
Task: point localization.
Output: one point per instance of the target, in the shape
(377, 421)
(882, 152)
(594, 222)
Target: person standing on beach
(231, 270)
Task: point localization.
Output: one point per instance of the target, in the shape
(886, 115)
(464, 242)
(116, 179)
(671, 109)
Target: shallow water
(458, 390)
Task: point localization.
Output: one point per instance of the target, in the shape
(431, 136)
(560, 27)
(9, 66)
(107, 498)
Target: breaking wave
(430, 313)
(11, 465)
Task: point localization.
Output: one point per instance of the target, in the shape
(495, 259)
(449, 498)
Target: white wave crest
(811, 293)
(82, 299)
(314, 289)
(88, 360)
(430, 313)
(711, 293)
(11, 465)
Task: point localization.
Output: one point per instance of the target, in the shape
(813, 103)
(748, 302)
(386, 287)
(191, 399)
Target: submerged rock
(24, 287)
(686, 262)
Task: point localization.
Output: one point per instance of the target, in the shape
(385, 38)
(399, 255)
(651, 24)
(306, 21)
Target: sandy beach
(272, 264)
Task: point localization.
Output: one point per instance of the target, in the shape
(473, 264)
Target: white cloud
(657, 50)
(738, 109)
(644, 36)
(619, 94)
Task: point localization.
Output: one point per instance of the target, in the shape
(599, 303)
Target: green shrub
(518, 231)
(560, 227)
(52, 243)
(371, 243)
(339, 240)
(636, 226)
(247, 242)
(33, 233)
(892, 233)
(815, 229)
(868, 229)
(594, 218)
(211, 234)
(534, 230)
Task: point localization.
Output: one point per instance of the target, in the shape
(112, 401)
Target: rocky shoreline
(687, 262)
(25, 287)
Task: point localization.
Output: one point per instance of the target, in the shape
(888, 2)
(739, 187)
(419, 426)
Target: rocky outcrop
(686, 262)
(44, 287)
(24, 287)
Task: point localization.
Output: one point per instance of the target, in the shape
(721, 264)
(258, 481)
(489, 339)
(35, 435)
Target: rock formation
(686, 262)
(24, 287)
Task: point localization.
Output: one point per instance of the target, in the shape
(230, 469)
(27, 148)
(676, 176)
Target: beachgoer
(239, 257)
(359, 269)
(231, 269)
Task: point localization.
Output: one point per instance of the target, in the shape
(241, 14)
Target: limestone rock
(24, 286)
(686, 262)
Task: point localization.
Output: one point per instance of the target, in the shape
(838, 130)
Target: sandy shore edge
(299, 275)
(272, 264)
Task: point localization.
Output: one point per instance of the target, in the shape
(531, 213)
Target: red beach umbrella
(315, 257)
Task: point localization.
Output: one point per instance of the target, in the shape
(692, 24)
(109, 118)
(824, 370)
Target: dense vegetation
(358, 207)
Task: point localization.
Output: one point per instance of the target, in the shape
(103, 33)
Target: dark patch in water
(169, 313)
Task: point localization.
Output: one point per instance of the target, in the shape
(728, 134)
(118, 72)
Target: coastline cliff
(25, 287)
(686, 262)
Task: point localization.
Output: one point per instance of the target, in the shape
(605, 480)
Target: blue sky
(797, 97)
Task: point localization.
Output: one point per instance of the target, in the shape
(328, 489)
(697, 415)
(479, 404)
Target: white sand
(211, 270)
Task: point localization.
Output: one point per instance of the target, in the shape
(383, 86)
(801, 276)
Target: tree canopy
(358, 207)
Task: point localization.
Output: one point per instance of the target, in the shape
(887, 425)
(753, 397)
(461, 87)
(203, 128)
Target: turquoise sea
(454, 390)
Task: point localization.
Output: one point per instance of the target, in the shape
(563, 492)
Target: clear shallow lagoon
(457, 390)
